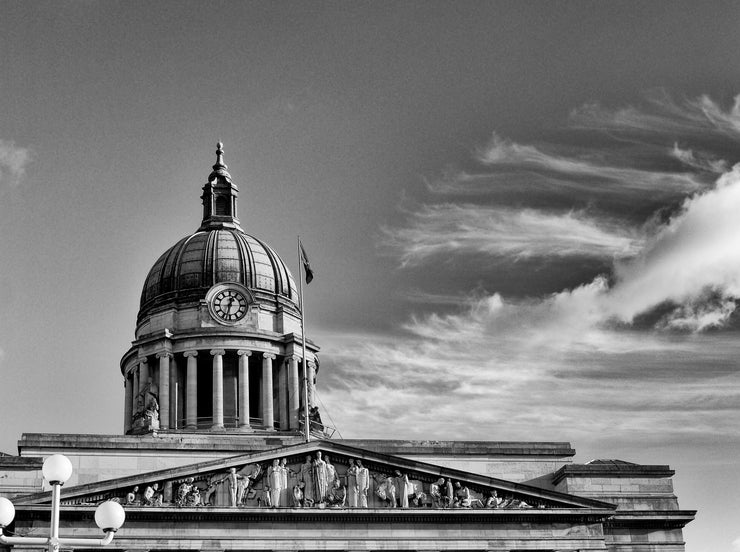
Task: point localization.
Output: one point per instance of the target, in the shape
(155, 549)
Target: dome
(188, 269)
(219, 251)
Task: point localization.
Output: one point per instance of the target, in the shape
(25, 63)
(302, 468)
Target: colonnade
(141, 387)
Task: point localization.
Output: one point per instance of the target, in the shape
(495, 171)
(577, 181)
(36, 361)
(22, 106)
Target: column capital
(141, 360)
(244, 352)
(311, 364)
(163, 354)
(268, 355)
(190, 354)
(296, 358)
(215, 352)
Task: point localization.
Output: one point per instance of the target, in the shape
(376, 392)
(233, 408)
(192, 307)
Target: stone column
(311, 366)
(283, 391)
(294, 392)
(191, 391)
(267, 410)
(128, 403)
(164, 389)
(135, 389)
(218, 388)
(143, 375)
(244, 388)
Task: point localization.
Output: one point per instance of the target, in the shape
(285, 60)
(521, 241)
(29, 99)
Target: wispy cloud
(452, 229)
(662, 114)
(698, 161)
(13, 162)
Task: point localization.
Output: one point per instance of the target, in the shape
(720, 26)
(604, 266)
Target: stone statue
(403, 489)
(363, 484)
(298, 495)
(275, 483)
(308, 479)
(353, 490)
(213, 482)
(435, 491)
(131, 496)
(447, 493)
(386, 489)
(151, 495)
(331, 471)
(286, 472)
(321, 474)
(233, 479)
(183, 491)
(463, 496)
(337, 495)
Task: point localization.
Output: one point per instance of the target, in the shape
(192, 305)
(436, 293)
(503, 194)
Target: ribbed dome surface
(194, 264)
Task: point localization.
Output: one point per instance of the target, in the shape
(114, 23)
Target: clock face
(230, 305)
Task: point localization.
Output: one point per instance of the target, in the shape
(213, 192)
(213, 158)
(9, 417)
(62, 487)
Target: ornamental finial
(220, 153)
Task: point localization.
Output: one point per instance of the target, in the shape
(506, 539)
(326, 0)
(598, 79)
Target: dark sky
(522, 215)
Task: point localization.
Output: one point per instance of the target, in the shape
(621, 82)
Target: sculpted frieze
(317, 480)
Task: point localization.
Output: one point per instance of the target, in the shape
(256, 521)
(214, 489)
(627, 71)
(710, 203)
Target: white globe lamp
(7, 512)
(110, 516)
(57, 469)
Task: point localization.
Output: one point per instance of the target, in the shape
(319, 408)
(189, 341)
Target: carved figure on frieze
(298, 495)
(337, 495)
(152, 496)
(418, 498)
(289, 481)
(448, 494)
(353, 490)
(308, 479)
(213, 482)
(363, 483)
(331, 471)
(194, 497)
(493, 500)
(183, 490)
(462, 494)
(232, 480)
(435, 491)
(403, 488)
(275, 483)
(385, 489)
(321, 476)
(131, 496)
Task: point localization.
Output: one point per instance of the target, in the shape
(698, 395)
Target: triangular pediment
(251, 481)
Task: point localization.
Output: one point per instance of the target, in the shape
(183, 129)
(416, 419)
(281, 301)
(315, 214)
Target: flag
(306, 265)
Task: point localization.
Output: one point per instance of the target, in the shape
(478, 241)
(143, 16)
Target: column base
(217, 427)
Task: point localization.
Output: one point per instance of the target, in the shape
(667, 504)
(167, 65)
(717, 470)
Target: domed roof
(197, 262)
(219, 251)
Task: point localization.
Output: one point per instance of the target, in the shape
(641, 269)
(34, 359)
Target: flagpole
(306, 421)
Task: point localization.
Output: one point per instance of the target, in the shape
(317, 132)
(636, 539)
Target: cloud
(698, 161)
(692, 261)
(13, 162)
(438, 230)
(535, 369)
(736, 544)
(500, 151)
(663, 115)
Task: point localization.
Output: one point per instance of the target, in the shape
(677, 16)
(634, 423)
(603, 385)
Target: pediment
(250, 481)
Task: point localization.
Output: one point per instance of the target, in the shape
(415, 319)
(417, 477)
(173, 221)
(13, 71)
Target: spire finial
(220, 154)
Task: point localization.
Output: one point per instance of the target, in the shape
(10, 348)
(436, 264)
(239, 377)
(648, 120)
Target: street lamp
(57, 469)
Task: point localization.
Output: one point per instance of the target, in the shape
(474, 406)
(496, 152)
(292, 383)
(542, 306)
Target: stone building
(213, 453)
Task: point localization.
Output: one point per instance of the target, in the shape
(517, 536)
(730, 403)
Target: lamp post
(57, 469)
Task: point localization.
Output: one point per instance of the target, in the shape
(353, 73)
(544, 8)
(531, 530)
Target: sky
(523, 217)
